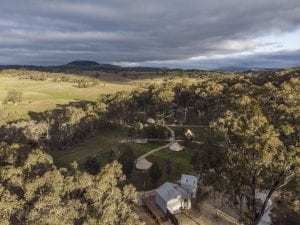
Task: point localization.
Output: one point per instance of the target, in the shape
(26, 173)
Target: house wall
(191, 190)
(174, 204)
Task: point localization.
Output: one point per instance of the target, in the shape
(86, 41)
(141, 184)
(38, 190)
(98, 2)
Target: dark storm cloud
(57, 31)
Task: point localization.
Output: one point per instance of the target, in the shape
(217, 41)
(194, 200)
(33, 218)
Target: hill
(83, 63)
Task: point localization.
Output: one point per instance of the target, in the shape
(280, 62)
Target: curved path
(142, 163)
(172, 138)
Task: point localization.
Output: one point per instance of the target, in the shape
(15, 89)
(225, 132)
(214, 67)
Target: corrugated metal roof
(189, 180)
(169, 191)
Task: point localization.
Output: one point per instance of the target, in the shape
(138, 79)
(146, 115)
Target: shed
(171, 197)
(190, 184)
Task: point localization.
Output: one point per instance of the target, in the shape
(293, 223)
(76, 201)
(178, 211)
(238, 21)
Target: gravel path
(142, 163)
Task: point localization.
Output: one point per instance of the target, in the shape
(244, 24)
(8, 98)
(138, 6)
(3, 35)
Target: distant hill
(83, 63)
(89, 64)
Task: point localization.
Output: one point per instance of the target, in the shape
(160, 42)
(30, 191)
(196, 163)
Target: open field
(42, 95)
(39, 96)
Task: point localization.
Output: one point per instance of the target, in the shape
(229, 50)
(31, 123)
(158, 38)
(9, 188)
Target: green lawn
(141, 149)
(98, 145)
(180, 164)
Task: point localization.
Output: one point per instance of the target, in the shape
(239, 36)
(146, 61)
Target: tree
(163, 97)
(184, 96)
(34, 191)
(255, 160)
(169, 167)
(13, 96)
(286, 210)
(155, 173)
(209, 97)
(127, 160)
(92, 165)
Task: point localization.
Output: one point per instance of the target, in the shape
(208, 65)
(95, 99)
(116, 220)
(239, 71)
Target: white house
(172, 197)
(190, 184)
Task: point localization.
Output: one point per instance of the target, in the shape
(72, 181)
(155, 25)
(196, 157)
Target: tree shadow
(59, 109)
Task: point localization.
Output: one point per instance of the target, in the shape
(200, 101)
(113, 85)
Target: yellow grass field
(39, 96)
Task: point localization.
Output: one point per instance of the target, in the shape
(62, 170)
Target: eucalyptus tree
(35, 191)
(256, 159)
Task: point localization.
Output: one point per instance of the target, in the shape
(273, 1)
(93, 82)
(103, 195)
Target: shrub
(13, 96)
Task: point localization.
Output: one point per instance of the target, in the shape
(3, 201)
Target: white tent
(176, 147)
(150, 121)
(189, 134)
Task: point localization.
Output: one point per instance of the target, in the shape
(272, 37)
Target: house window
(186, 180)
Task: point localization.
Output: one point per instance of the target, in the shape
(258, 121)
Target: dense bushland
(256, 116)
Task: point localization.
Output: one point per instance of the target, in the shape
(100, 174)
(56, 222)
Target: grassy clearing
(180, 164)
(98, 145)
(39, 96)
(141, 149)
(102, 144)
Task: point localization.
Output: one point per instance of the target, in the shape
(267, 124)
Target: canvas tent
(150, 121)
(176, 147)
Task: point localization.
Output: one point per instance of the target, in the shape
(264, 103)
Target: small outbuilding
(190, 184)
(171, 197)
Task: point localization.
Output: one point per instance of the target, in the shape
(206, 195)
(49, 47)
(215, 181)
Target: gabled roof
(169, 191)
(188, 180)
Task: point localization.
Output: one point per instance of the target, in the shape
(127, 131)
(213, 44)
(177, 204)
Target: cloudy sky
(174, 33)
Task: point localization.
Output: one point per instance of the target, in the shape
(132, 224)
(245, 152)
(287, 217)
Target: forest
(252, 144)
